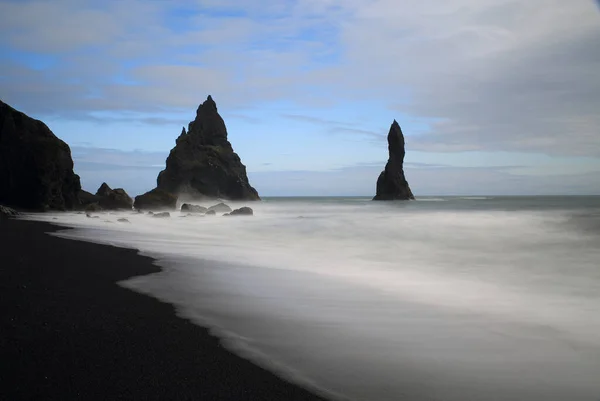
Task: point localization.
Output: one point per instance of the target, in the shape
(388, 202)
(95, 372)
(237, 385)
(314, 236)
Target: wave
(390, 296)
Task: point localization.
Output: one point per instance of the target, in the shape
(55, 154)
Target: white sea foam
(378, 301)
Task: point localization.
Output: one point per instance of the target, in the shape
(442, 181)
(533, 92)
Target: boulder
(392, 184)
(36, 168)
(186, 207)
(123, 220)
(220, 208)
(155, 199)
(93, 207)
(113, 199)
(162, 215)
(210, 213)
(243, 211)
(6, 212)
(203, 164)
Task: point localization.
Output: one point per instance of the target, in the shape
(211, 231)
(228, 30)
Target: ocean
(441, 298)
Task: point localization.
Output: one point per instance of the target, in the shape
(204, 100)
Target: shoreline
(71, 332)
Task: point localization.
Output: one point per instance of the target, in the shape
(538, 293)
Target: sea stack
(203, 164)
(392, 184)
(36, 168)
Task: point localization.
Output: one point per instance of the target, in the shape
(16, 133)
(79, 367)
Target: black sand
(67, 331)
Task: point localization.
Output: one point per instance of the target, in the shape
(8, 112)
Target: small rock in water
(150, 212)
(162, 214)
(123, 220)
(186, 207)
(211, 213)
(243, 211)
(220, 207)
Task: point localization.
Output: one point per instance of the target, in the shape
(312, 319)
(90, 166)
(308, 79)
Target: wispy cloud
(467, 75)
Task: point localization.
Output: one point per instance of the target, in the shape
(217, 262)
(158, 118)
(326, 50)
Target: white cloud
(494, 74)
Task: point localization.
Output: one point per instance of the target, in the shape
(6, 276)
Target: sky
(495, 97)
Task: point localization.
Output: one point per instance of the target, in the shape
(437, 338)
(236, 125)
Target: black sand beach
(67, 331)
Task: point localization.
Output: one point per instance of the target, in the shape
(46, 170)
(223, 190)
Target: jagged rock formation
(36, 168)
(203, 164)
(113, 198)
(392, 184)
(155, 199)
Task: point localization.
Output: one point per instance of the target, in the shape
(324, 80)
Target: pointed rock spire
(392, 184)
(203, 163)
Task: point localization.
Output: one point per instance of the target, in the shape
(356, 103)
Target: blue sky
(493, 96)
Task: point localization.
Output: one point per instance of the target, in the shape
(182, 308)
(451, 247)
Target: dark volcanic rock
(36, 168)
(211, 213)
(203, 164)
(113, 198)
(220, 207)
(93, 207)
(155, 199)
(7, 212)
(162, 215)
(186, 207)
(104, 190)
(86, 198)
(123, 220)
(391, 184)
(243, 211)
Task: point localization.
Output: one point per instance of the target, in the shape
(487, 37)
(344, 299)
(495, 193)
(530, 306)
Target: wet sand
(68, 331)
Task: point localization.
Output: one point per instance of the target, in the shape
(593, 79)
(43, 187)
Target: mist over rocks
(186, 207)
(392, 184)
(243, 211)
(220, 207)
(203, 164)
(36, 167)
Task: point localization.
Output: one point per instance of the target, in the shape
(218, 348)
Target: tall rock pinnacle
(203, 164)
(391, 184)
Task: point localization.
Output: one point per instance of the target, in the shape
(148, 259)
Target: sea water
(449, 298)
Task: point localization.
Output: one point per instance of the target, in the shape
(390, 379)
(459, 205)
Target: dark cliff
(36, 168)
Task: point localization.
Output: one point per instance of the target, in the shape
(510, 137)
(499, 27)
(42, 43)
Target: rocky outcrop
(392, 184)
(86, 198)
(243, 211)
(36, 168)
(113, 199)
(93, 207)
(203, 164)
(220, 207)
(186, 207)
(155, 199)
